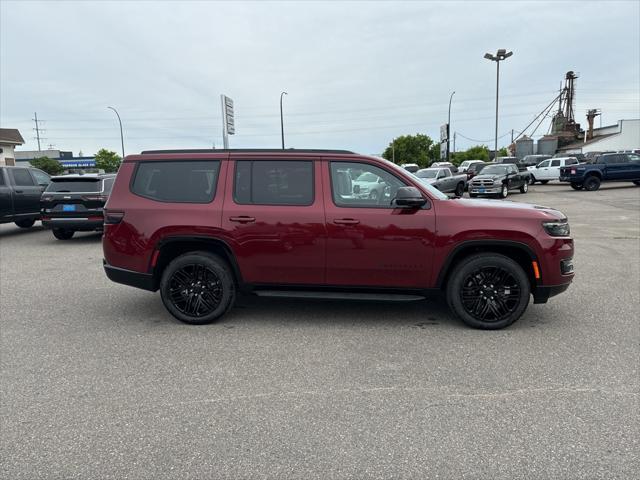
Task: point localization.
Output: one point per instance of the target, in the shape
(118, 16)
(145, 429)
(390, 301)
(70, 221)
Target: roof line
(246, 150)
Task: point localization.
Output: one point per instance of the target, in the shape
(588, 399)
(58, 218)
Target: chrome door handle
(346, 221)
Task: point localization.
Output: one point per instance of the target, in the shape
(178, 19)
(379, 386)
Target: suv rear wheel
(62, 233)
(488, 291)
(197, 288)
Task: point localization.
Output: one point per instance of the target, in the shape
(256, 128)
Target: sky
(357, 74)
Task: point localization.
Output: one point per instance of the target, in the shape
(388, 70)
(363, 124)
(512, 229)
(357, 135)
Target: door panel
(26, 199)
(374, 245)
(282, 242)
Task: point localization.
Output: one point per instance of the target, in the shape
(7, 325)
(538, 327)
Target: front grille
(482, 183)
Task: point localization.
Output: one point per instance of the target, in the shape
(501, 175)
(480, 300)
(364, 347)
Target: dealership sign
(77, 163)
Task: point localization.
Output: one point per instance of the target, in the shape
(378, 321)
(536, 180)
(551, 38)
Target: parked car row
(65, 204)
(442, 179)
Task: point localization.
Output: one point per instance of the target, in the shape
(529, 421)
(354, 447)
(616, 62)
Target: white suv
(549, 169)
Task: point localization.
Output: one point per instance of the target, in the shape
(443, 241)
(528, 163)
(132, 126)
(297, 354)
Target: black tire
(592, 183)
(636, 182)
(62, 233)
(544, 182)
(459, 190)
(504, 192)
(488, 291)
(524, 188)
(197, 288)
(576, 186)
(26, 223)
(532, 180)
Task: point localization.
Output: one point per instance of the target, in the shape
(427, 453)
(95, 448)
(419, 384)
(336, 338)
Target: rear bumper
(74, 223)
(145, 281)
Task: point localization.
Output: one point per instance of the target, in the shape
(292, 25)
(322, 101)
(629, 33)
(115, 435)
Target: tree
(411, 149)
(107, 160)
(49, 165)
(478, 152)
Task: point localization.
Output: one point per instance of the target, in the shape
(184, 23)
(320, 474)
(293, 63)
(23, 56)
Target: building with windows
(9, 139)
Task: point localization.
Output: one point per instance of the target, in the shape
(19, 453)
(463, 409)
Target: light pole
(500, 55)
(449, 126)
(121, 136)
(282, 119)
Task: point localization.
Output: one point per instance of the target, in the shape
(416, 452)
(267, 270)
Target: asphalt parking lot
(98, 381)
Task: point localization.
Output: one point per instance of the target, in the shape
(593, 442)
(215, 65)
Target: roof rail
(247, 150)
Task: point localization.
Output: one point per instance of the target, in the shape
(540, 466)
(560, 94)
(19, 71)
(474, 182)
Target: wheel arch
(521, 253)
(172, 247)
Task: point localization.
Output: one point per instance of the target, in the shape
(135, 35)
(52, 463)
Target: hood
(507, 206)
(488, 176)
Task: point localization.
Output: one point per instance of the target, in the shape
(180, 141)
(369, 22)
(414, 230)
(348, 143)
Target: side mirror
(409, 197)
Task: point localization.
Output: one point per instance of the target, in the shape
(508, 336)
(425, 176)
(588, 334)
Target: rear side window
(571, 161)
(192, 181)
(265, 182)
(22, 177)
(555, 163)
(77, 186)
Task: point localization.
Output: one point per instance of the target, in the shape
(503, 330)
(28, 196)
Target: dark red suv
(201, 225)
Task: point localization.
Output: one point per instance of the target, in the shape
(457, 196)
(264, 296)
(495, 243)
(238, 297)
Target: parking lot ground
(98, 381)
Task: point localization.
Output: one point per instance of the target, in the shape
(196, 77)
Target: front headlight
(557, 229)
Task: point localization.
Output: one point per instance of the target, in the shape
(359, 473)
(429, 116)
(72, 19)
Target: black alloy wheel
(532, 180)
(197, 288)
(488, 291)
(592, 183)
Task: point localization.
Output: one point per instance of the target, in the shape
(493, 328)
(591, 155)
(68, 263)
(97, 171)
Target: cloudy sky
(357, 73)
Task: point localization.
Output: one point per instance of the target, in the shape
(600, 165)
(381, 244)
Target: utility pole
(37, 130)
(449, 126)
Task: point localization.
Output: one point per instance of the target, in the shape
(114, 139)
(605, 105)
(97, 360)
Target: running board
(383, 297)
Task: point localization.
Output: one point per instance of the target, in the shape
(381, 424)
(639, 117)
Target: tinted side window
(555, 163)
(545, 163)
(571, 161)
(22, 177)
(266, 182)
(191, 181)
(350, 188)
(41, 177)
(634, 158)
(2, 177)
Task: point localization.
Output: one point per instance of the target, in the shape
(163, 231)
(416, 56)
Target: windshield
(367, 177)
(495, 170)
(427, 173)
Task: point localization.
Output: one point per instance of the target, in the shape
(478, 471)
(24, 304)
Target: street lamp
(282, 119)
(121, 136)
(449, 126)
(500, 55)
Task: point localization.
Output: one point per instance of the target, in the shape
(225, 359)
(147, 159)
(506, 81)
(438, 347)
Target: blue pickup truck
(610, 167)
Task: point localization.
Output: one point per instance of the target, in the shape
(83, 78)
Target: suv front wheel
(197, 288)
(488, 291)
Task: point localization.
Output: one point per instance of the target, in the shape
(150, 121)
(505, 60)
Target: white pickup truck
(548, 170)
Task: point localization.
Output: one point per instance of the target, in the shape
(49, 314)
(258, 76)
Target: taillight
(573, 171)
(113, 218)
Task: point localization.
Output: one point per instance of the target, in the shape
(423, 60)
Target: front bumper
(145, 281)
(543, 293)
(485, 190)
